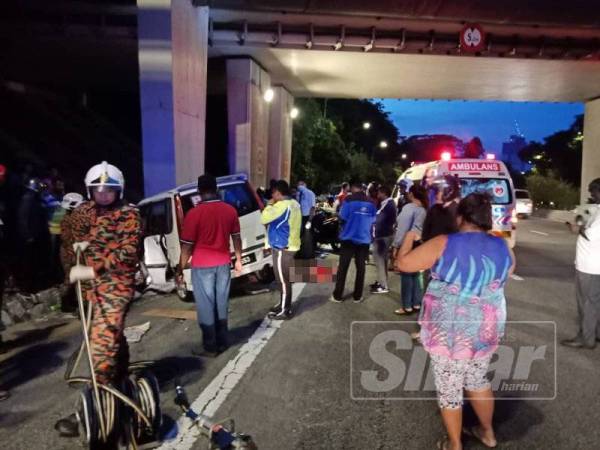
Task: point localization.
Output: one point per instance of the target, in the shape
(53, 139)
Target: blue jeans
(411, 290)
(211, 293)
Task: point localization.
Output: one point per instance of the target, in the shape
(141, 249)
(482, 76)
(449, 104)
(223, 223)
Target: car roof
(192, 187)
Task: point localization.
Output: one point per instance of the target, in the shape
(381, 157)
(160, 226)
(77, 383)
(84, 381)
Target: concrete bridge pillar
(591, 146)
(248, 119)
(280, 135)
(172, 52)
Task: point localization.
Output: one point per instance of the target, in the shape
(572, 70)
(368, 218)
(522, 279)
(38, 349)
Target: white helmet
(71, 201)
(104, 175)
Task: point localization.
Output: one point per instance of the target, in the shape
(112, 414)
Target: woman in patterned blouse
(464, 313)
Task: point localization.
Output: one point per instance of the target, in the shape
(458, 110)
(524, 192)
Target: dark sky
(493, 122)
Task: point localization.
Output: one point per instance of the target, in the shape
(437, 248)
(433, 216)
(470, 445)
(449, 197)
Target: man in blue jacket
(283, 220)
(357, 216)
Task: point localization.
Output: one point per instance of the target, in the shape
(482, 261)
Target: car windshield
(497, 188)
(521, 195)
(237, 195)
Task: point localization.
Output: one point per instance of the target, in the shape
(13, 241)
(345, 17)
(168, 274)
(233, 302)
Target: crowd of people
(453, 272)
(452, 269)
(32, 209)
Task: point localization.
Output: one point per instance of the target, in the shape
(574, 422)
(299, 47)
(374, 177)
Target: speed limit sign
(472, 37)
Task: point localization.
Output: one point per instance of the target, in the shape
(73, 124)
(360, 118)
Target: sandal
(473, 432)
(403, 312)
(417, 308)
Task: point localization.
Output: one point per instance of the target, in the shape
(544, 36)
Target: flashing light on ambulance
(446, 156)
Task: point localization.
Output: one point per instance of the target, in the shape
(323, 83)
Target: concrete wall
(248, 119)
(190, 54)
(591, 147)
(280, 135)
(172, 52)
(156, 95)
(173, 55)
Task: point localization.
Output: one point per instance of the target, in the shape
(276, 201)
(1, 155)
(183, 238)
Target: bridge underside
(348, 74)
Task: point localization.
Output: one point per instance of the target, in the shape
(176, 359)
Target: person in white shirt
(587, 275)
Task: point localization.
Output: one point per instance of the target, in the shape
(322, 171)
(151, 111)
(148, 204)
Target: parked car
(524, 203)
(163, 215)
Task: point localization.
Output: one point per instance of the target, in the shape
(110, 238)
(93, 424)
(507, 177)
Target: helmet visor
(105, 188)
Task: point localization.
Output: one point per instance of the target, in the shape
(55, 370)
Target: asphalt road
(290, 386)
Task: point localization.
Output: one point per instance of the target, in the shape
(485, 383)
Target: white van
(476, 175)
(163, 214)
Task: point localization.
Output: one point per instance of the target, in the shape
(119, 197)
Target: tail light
(514, 219)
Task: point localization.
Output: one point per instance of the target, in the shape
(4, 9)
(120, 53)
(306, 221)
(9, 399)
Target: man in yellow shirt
(283, 220)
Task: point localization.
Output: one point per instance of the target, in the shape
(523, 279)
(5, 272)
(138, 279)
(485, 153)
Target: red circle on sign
(472, 37)
(499, 191)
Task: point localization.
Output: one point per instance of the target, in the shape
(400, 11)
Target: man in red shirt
(207, 230)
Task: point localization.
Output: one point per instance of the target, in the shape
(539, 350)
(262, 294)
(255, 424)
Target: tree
(319, 155)
(331, 144)
(561, 153)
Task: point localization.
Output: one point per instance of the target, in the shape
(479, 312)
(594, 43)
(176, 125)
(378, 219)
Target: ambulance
(475, 175)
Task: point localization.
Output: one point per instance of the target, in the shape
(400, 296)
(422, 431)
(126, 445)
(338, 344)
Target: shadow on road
(240, 335)
(13, 419)
(32, 362)
(176, 370)
(306, 304)
(512, 419)
(30, 336)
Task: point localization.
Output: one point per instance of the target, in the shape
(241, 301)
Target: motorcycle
(326, 227)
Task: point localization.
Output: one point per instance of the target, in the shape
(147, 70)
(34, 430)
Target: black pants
(283, 261)
(360, 253)
(307, 246)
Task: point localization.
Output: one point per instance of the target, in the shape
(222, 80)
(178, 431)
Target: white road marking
(213, 396)
(516, 277)
(539, 232)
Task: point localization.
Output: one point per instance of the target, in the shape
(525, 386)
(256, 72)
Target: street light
(294, 113)
(366, 125)
(404, 156)
(383, 144)
(268, 95)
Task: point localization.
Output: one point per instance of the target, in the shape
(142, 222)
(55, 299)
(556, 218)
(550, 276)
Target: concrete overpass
(533, 51)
